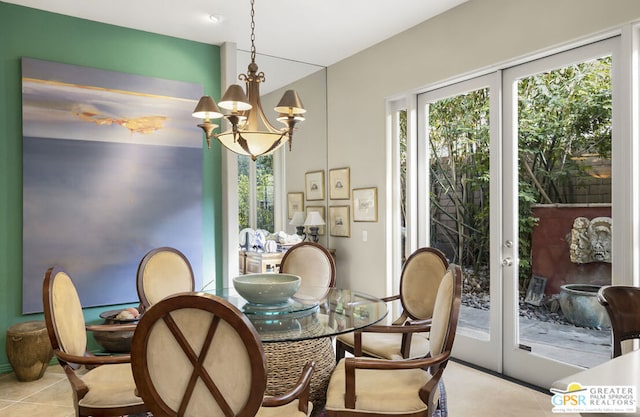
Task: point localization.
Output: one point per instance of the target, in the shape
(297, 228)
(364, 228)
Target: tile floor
(470, 393)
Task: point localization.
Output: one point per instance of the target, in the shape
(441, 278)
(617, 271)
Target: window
(256, 193)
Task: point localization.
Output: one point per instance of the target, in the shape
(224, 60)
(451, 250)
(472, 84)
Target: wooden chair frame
(221, 310)
(407, 323)
(622, 304)
(436, 365)
(71, 363)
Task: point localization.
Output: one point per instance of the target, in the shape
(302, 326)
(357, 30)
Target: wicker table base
(286, 359)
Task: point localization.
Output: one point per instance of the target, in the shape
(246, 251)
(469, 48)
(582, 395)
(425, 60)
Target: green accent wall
(26, 32)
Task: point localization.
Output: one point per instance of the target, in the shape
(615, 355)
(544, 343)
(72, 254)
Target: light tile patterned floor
(470, 393)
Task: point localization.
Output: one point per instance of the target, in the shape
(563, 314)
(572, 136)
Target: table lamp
(314, 220)
(298, 222)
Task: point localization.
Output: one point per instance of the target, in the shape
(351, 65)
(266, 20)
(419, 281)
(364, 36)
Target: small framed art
(339, 184)
(365, 204)
(295, 202)
(319, 209)
(339, 221)
(314, 184)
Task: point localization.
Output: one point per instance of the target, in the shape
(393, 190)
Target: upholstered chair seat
(110, 386)
(399, 398)
(387, 345)
(290, 410)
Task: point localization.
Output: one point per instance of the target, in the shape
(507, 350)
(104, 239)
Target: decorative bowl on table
(267, 289)
(114, 341)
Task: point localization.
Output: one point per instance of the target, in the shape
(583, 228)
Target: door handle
(507, 261)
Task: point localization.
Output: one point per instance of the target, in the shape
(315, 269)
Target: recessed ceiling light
(214, 18)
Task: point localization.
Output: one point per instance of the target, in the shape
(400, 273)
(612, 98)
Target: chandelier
(250, 133)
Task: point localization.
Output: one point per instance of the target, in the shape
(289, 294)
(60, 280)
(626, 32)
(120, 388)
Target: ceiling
(311, 33)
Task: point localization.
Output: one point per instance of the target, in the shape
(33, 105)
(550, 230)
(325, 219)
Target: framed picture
(339, 184)
(319, 209)
(295, 202)
(365, 204)
(339, 222)
(314, 184)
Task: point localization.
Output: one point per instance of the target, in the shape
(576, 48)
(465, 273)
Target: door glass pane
(564, 206)
(458, 135)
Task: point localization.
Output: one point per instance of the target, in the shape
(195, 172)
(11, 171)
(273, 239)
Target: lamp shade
(314, 219)
(234, 99)
(207, 109)
(298, 219)
(290, 104)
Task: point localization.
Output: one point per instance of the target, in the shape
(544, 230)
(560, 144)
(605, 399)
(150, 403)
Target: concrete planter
(579, 304)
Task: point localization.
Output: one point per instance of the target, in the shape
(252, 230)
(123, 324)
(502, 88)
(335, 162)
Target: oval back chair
(313, 263)
(107, 387)
(163, 271)
(195, 354)
(401, 387)
(405, 337)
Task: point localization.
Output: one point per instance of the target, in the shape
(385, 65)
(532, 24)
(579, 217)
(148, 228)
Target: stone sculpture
(590, 240)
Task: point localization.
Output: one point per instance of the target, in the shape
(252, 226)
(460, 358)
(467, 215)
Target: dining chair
(317, 269)
(163, 271)
(195, 354)
(406, 336)
(372, 387)
(105, 387)
(313, 263)
(622, 304)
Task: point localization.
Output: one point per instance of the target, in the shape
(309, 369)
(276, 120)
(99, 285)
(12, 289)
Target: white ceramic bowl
(267, 288)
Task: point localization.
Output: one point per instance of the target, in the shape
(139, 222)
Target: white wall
(476, 35)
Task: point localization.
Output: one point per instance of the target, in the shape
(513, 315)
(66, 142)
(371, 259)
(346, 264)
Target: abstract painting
(112, 168)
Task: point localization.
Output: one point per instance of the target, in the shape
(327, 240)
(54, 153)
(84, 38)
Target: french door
(537, 352)
(495, 155)
(454, 120)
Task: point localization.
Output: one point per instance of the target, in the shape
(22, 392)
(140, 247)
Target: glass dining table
(316, 313)
(301, 330)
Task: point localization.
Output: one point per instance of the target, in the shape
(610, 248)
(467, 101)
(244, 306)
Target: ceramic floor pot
(580, 306)
(28, 349)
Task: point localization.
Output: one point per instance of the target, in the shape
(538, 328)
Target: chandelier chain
(253, 33)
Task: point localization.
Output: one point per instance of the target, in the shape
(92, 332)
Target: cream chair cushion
(166, 273)
(387, 345)
(70, 325)
(418, 287)
(441, 314)
(311, 264)
(390, 392)
(110, 386)
(287, 410)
